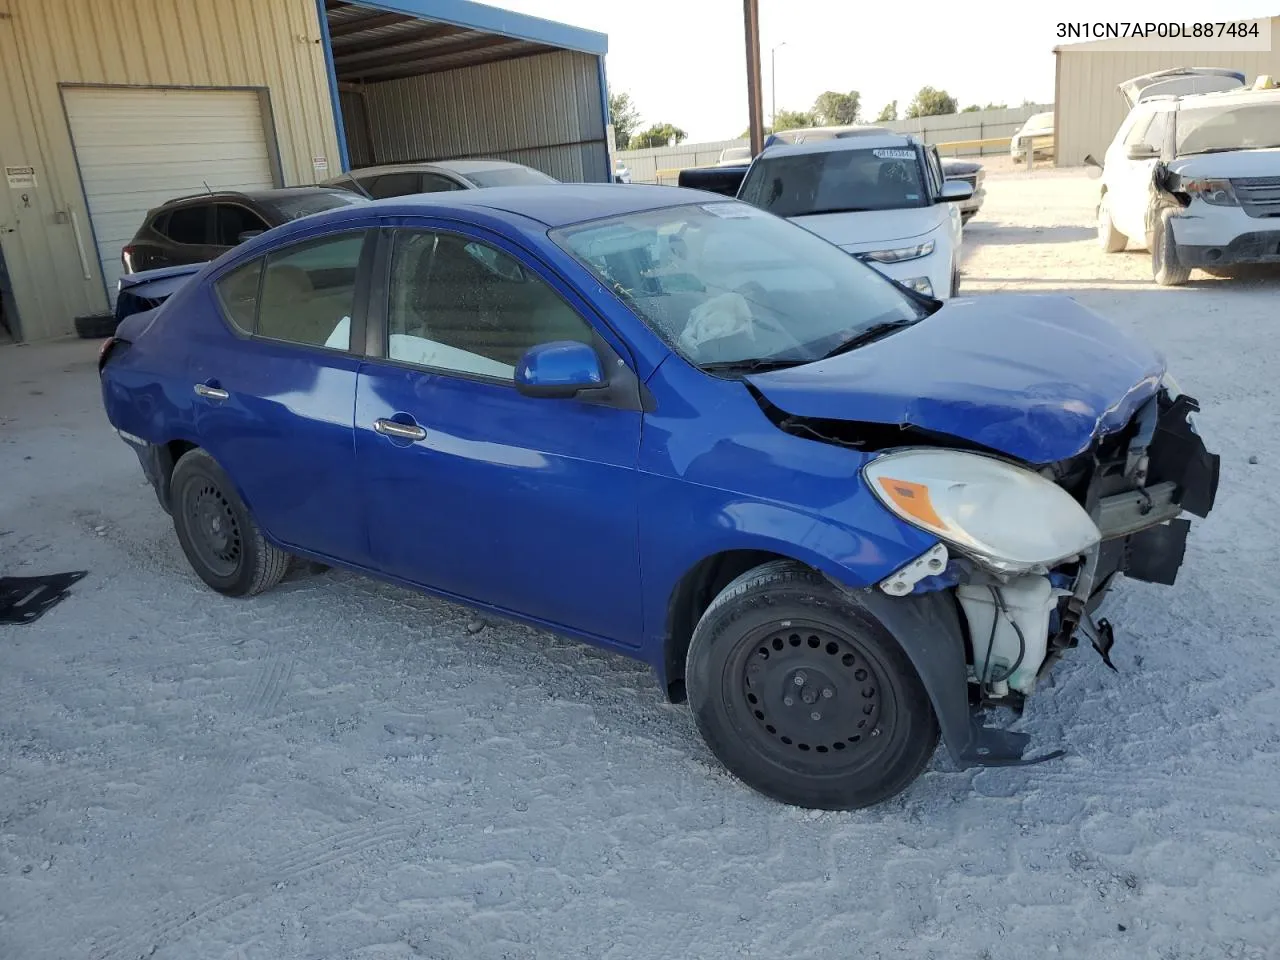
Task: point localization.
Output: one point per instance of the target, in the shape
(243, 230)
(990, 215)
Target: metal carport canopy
(368, 41)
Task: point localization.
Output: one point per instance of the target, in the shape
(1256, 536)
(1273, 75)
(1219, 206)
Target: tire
(1166, 269)
(96, 326)
(782, 632)
(223, 543)
(1110, 239)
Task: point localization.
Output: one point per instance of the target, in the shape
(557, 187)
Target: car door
(526, 504)
(275, 396)
(1128, 180)
(949, 210)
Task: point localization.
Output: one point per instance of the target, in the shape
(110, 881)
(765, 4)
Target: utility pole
(773, 81)
(755, 109)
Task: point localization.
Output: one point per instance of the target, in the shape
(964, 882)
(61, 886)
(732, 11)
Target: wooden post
(755, 100)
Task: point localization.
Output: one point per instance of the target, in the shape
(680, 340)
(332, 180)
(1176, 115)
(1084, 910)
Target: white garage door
(137, 148)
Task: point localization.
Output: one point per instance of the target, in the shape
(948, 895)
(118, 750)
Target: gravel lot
(342, 769)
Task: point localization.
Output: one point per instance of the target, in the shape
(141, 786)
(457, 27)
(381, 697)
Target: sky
(684, 61)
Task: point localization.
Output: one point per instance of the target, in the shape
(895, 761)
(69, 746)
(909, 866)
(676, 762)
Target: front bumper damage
(1136, 485)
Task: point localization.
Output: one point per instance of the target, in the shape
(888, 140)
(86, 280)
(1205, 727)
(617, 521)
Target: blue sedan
(839, 517)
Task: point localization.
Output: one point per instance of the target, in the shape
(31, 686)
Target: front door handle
(401, 431)
(210, 393)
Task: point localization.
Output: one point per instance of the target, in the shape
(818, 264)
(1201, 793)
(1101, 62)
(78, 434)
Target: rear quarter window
(238, 295)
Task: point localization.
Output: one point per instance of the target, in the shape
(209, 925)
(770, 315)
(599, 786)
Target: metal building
(1088, 106)
(109, 109)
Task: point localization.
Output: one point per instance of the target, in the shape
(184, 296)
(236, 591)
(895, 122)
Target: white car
(879, 196)
(734, 157)
(1195, 180)
(1036, 134)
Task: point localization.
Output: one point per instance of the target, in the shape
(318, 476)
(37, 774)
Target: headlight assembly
(899, 254)
(1005, 517)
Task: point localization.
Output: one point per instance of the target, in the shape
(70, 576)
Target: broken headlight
(1007, 518)
(1219, 193)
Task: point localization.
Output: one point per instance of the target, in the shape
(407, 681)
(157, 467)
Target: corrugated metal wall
(545, 111)
(45, 43)
(1090, 108)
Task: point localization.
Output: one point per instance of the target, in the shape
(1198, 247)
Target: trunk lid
(1033, 377)
(1179, 82)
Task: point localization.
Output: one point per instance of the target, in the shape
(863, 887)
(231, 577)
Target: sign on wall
(20, 178)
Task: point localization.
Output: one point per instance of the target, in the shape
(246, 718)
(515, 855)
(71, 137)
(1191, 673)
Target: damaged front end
(1015, 619)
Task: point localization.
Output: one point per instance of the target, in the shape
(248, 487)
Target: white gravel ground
(341, 769)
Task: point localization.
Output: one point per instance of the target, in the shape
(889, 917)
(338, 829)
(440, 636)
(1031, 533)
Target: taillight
(110, 346)
(126, 257)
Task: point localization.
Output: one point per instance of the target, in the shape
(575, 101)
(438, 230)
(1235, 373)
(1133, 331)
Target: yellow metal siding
(272, 44)
(1090, 108)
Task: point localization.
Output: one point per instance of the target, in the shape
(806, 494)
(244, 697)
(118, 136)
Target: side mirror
(954, 190)
(1142, 151)
(249, 235)
(558, 369)
(1092, 167)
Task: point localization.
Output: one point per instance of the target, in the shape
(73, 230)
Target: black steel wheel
(804, 696)
(223, 543)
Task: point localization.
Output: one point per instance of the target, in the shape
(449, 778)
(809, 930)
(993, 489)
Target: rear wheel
(1165, 267)
(804, 696)
(223, 543)
(1110, 239)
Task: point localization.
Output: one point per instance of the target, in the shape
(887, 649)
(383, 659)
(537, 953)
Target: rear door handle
(210, 393)
(401, 431)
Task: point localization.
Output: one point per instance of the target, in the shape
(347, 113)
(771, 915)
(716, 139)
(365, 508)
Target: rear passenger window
(238, 292)
(189, 225)
(309, 292)
(394, 185)
(233, 220)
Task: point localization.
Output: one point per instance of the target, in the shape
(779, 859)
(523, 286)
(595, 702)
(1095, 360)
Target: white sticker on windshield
(732, 211)
(893, 153)
(913, 196)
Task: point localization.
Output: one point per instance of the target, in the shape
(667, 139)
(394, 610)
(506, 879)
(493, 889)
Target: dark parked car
(839, 516)
(205, 226)
(405, 179)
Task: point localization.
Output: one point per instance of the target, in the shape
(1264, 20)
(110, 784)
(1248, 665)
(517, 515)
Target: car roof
(1227, 97)
(867, 141)
(551, 204)
(275, 193)
(452, 166)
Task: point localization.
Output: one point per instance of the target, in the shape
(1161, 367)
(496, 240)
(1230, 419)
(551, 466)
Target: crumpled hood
(870, 229)
(1034, 377)
(1234, 163)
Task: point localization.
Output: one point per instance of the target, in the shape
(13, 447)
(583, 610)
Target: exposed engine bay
(1134, 484)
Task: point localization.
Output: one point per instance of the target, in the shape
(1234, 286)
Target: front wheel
(223, 543)
(1166, 269)
(803, 695)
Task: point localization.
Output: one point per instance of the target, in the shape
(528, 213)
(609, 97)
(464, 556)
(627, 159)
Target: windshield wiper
(873, 333)
(750, 365)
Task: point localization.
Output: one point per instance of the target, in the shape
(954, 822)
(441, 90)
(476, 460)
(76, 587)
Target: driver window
(467, 307)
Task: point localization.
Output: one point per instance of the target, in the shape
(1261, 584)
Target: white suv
(880, 196)
(1195, 180)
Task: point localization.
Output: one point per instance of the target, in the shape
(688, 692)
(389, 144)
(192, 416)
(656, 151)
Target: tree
(888, 112)
(971, 108)
(658, 135)
(930, 102)
(833, 109)
(624, 116)
(996, 106)
(792, 119)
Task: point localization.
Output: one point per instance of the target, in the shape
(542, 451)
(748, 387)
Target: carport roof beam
(479, 17)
